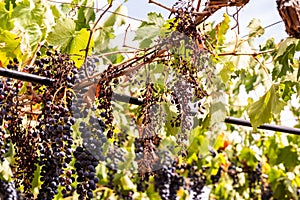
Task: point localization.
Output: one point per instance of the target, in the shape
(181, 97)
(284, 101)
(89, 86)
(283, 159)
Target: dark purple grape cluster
(254, 178)
(232, 172)
(14, 130)
(4, 140)
(85, 166)
(171, 175)
(13, 64)
(93, 137)
(267, 193)
(167, 182)
(8, 191)
(4, 145)
(197, 180)
(215, 178)
(55, 122)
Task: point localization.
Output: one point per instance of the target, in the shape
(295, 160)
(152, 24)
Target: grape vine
(70, 138)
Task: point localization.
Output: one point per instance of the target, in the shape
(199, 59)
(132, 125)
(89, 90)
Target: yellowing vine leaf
(262, 111)
(5, 17)
(113, 18)
(255, 29)
(218, 109)
(74, 42)
(9, 47)
(147, 31)
(27, 13)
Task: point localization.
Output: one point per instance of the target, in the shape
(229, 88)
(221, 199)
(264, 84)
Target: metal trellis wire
(136, 101)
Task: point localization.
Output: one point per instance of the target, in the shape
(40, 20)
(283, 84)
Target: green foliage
(74, 42)
(113, 18)
(149, 30)
(27, 25)
(255, 29)
(218, 33)
(5, 17)
(263, 110)
(85, 16)
(284, 59)
(10, 47)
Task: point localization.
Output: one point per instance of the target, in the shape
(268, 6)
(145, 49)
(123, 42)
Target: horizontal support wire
(26, 77)
(136, 101)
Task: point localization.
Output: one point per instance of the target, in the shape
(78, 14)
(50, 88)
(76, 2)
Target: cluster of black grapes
(54, 127)
(167, 182)
(215, 178)
(92, 133)
(254, 178)
(4, 140)
(43, 135)
(85, 166)
(174, 175)
(166, 179)
(15, 131)
(197, 180)
(8, 191)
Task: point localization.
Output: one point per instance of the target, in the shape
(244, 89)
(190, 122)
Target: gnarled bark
(213, 5)
(289, 11)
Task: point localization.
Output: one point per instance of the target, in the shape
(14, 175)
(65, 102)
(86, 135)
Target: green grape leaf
(145, 43)
(255, 29)
(147, 31)
(249, 82)
(5, 18)
(284, 46)
(9, 47)
(116, 58)
(170, 115)
(226, 71)
(126, 183)
(10, 4)
(5, 170)
(33, 35)
(218, 108)
(196, 139)
(89, 13)
(152, 193)
(285, 61)
(222, 29)
(78, 46)
(288, 156)
(113, 18)
(219, 31)
(62, 34)
(262, 111)
(102, 38)
(286, 90)
(285, 57)
(284, 189)
(274, 174)
(55, 11)
(249, 156)
(271, 150)
(36, 180)
(269, 44)
(71, 41)
(156, 18)
(242, 61)
(85, 15)
(27, 13)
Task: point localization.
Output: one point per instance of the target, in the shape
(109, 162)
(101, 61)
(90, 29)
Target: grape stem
(132, 100)
(90, 38)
